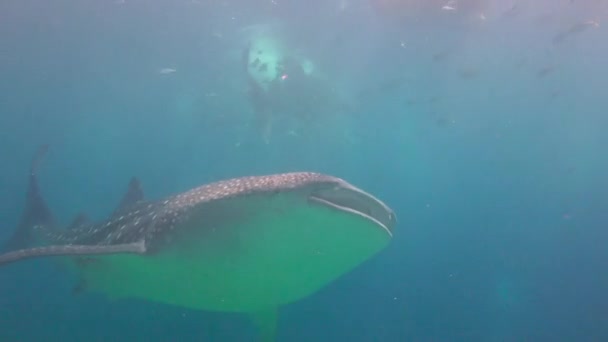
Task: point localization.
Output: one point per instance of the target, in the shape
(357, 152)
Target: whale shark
(249, 245)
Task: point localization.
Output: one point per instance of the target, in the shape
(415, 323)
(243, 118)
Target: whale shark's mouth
(347, 198)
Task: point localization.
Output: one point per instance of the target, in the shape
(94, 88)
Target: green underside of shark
(280, 250)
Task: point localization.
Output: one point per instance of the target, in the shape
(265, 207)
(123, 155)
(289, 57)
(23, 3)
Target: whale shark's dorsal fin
(134, 195)
(36, 212)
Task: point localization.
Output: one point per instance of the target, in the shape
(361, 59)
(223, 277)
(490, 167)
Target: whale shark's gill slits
(67, 250)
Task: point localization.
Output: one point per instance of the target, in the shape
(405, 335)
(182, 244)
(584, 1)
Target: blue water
(480, 126)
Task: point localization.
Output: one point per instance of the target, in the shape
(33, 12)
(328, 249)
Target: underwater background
(481, 123)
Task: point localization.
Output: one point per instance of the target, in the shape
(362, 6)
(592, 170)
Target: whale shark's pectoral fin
(266, 321)
(67, 250)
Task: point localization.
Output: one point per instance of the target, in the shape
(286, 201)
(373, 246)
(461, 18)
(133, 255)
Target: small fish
(441, 55)
(467, 74)
(573, 30)
(166, 71)
(511, 12)
(544, 71)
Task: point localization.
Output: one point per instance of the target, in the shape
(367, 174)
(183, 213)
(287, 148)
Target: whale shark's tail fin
(36, 212)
